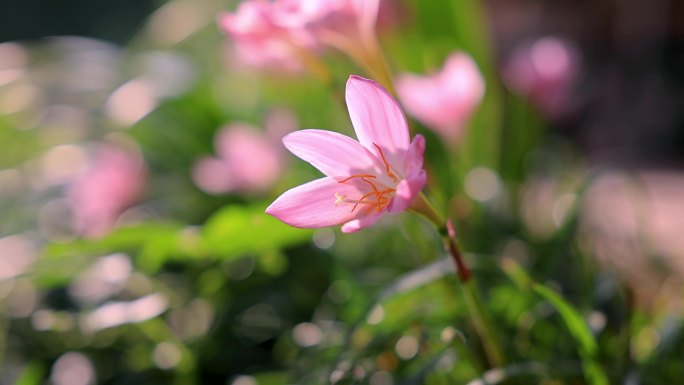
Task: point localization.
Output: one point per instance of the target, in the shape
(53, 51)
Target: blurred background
(137, 157)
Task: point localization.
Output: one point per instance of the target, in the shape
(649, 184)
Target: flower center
(377, 198)
(379, 195)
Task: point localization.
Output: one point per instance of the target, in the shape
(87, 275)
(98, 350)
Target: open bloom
(381, 172)
(446, 100)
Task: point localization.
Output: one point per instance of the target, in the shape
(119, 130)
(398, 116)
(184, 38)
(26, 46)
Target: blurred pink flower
(346, 17)
(446, 100)
(248, 161)
(259, 42)
(543, 71)
(382, 172)
(347, 25)
(114, 181)
(286, 34)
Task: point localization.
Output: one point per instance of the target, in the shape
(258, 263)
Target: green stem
(313, 64)
(476, 310)
(378, 62)
(422, 206)
(365, 51)
(483, 324)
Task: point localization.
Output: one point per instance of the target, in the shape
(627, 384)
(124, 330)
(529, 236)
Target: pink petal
(414, 157)
(114, 181)
(421, 96)
(234, 136)
(462, 77)
(250, 17)
(212, 175)
(280, 122)
(254, 163)
(446, 100)
(377, 119)
(406, 192)
(367, 13)
(335, 155)
(360, 223)
(312, 205)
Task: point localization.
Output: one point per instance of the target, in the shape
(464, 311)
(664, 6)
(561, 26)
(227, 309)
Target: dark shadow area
(114, 21)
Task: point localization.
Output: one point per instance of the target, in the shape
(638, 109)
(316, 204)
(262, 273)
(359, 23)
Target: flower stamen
(380, 200)
(357, 176)
(387, 165)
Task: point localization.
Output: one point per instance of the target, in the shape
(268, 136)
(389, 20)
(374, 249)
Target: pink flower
(248, 160)
(543, 71)
(340, 15)
(347, 25)
(259, 42)
(113, 182)
(446, 100)
(382, 172)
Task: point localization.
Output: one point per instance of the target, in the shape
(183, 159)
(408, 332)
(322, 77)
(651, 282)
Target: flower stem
(313, 64)
(378, 62)
(422, 205)
(452, 247)
(365, 51)
(476, 310)
(483, 324)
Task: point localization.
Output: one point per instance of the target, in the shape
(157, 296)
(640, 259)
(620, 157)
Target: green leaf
(417, 278)
(237, 230)
(271, 378)
(587, 347)
(571, 317)
(32, 374)
(121, 239)
(151, 245)
(586, 343)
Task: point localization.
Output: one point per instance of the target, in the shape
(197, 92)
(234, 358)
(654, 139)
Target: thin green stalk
(476, 310)
(379, 65)
(483, 324)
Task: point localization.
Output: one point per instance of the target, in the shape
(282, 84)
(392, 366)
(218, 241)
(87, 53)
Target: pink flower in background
(446, 100)
(543, 71)
(248, 160)
(113, 182)
(382, 172)
(284, 34)
(346, 25)
(259, 42)
(346, 17)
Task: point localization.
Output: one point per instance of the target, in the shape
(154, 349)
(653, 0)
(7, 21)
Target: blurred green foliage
(243, 299)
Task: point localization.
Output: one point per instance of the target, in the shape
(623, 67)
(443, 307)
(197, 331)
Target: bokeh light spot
(244, 380)
(376, 315)
(166, 355)
(381, 378)
(407, 347)
(17, 253)
(324, 238)
(482, 184)
(307, 334)
(72, 369)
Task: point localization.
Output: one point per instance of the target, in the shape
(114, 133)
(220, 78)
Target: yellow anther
(377, 198)
(339, 198)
